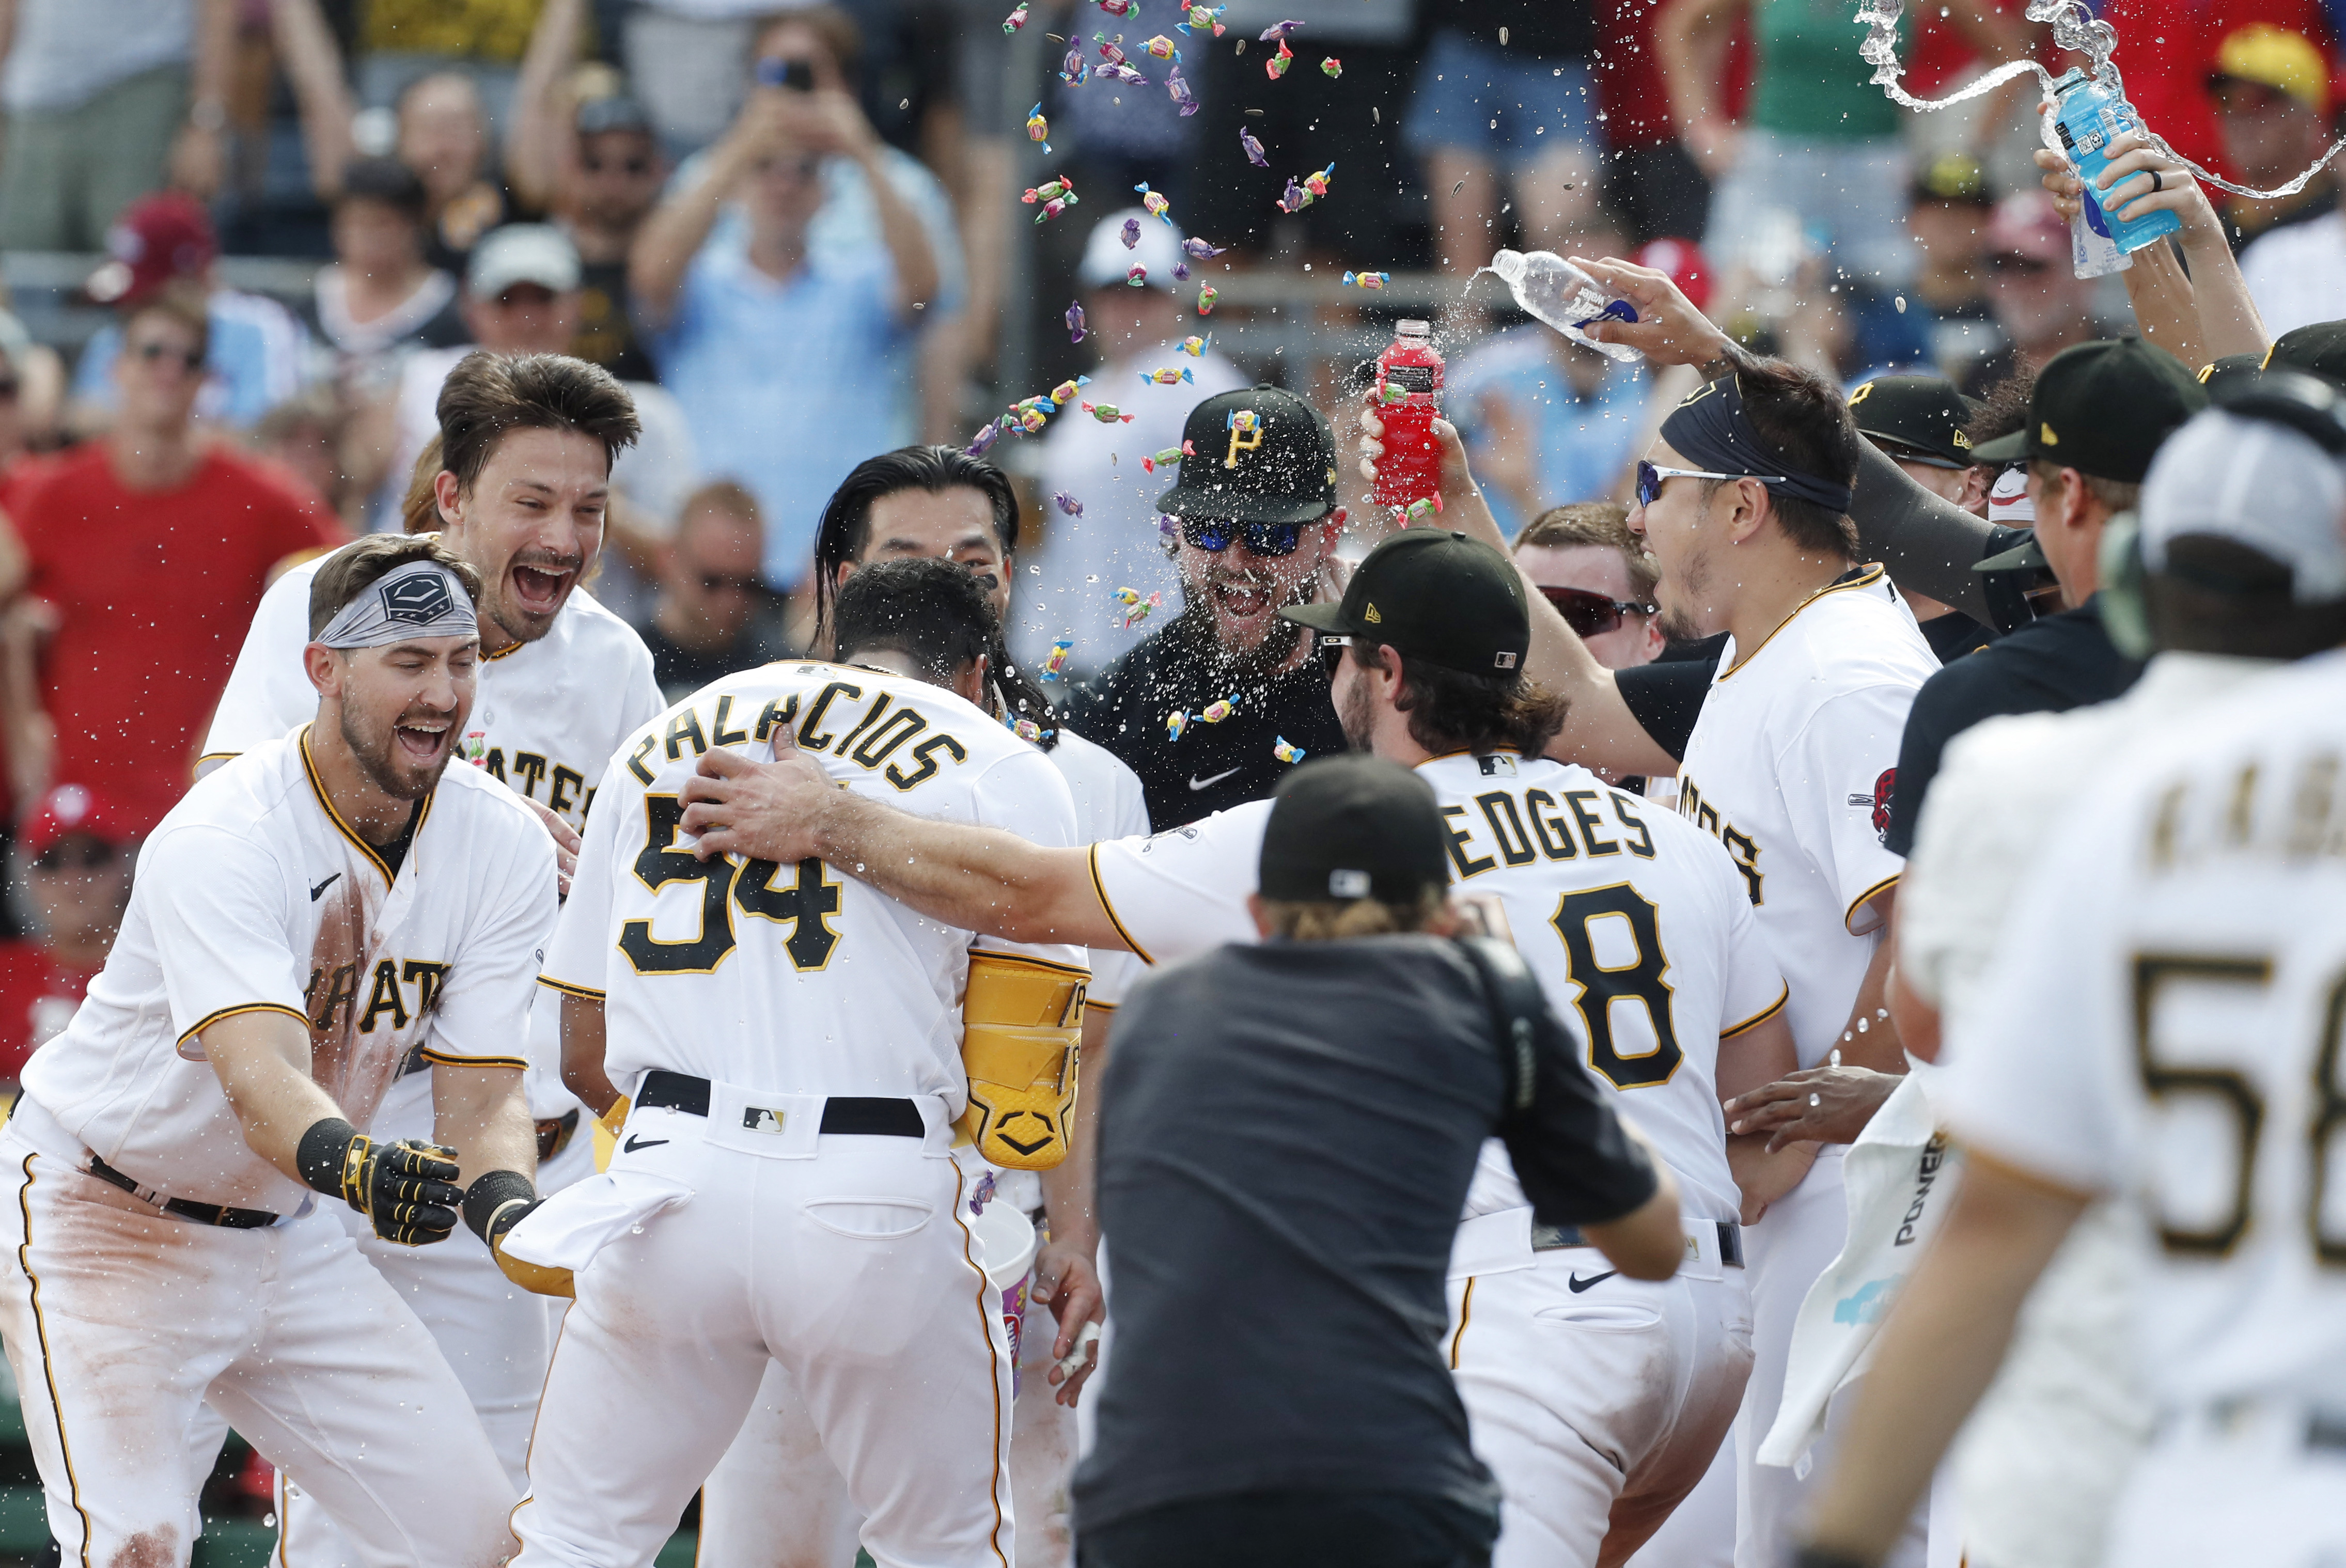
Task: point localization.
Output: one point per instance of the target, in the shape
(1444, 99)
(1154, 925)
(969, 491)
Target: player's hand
(2061, 182)
(1669, 329)
(2124, 188)
(1066, 1281)
(1816, 1105)
(762, 810)
(565, 842)
(408, 1188)
(1462, 506)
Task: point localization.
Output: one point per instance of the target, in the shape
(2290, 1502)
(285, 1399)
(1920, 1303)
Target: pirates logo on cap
(417, 599)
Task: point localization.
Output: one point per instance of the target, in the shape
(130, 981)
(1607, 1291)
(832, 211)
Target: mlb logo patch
(758, 1119)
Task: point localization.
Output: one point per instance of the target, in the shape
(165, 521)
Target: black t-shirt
(1211, 767)
(1286, 1136)
(1550, 27)
(681, 671)
(1665, 697)
(2051, 665)
(607, 332)
(1953, 635)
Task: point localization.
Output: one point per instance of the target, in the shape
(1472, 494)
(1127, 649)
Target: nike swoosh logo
(1198, 783)
(321, 886)
(1579, 1285)
(638, 1142)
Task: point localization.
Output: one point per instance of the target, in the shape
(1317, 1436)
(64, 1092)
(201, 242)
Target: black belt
(852, 1115)
(201, 1213)
(553, 1134)
(1550, 1238)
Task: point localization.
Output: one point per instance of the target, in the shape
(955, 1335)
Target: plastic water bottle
(1565, 297)
(2089, 116)
(1409, 376)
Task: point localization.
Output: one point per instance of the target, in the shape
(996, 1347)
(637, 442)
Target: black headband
(1712, 431)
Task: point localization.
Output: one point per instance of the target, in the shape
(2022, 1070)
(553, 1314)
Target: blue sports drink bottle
(2089, 117)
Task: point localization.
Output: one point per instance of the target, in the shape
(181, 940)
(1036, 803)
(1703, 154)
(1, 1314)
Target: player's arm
(1831, 1103)
(1749, 1058)
(983, 880)
(483, 1113)
(1066, 1268)
(261, 1058)
(582, 1073)
(1945, 1340)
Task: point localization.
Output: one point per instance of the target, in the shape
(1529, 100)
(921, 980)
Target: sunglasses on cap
(1592, 614)
(1215, 534)
(1650, 477)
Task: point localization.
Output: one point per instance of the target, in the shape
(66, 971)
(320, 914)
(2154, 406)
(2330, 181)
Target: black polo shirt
(2049, 665)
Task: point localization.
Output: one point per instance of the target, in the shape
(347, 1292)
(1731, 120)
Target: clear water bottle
(1565, 297)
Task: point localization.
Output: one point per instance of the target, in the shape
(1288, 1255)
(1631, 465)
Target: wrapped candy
(1168, 377)
(1130, 233)
(1368, 279)
(477, 747)
(1127, 73)
(1214, 712)
(1292, 199)
(1206, 295)
(1276, 66)
(1106, 413)
(1284, 752)
(1065, 393)
(1135, 608)
(1156, 204)
(1276, 32)
(1038, 128)
(1162, 47)
(1196, 347)
(1029, 420)
(1119, 7)
(1418, 511)
(1180, 271)
(1176, 87)
(1054, 207)
(1135, 275)
(1016, 19)
(1075, 68)
(1202, 19)
(1316, 184)
(1334, 66)
(1175, 723)
(1050, 192)
(1253, 149)
(1110, 49)
(985, 439)
(1201, 251)
(1157, 460)
(1067, 504)
(1027, 730)
(1076, 327)
(1055, 664)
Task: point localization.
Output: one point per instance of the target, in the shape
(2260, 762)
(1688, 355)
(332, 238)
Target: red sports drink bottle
(1409, 397)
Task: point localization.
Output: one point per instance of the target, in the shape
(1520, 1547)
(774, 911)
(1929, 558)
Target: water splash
(2075, 29)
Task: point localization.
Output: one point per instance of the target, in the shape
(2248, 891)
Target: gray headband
(419, 600)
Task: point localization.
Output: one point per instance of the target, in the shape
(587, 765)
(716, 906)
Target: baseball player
(311, 917)
(1629, 917)
(799, 1051)
(526, 445)
(772, 1492)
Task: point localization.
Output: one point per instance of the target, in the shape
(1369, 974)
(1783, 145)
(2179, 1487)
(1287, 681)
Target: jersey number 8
(805, 905)
(1642, 978)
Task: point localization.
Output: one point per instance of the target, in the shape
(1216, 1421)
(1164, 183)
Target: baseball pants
(843, 1260)
(1597, 1400)
(122, 1322)
(2259, 1485)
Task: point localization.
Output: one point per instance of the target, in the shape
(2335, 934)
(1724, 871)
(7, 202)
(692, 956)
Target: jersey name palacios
(254, 895)
(793, 978)
(1791, 767)
(1634, 923)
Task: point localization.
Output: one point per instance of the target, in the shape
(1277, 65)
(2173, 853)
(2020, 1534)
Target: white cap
(2257, 483)
(1107, 264)
(2008, 501)
(536, 253)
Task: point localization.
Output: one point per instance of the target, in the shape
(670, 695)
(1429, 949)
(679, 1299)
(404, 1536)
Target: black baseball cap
(1262, 456)
(2102, 408)
(2319, 349)
(1352, 827)
(1915, 419)
(2221, 376)
(1436, 596)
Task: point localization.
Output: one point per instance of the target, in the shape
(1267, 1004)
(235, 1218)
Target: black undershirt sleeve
(1928, 543)
(1665, 697)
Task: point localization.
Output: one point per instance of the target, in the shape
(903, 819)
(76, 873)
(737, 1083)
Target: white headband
(419, 600)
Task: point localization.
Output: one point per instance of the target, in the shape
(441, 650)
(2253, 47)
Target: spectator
(304, 435)
(1922, 423)
(380, 297)
(1585, 562)
(106, 100)
(150, 548)
(403, 44)
(1650, 179)
(2039, 301)
(1080, 561)
(444, 136)
(260, 354)
(22, 362)
(2097, 415)
(1949, 218)
(727, 313)
(79, 851)
(1258, 517)
(2271, 88)
(715, 614)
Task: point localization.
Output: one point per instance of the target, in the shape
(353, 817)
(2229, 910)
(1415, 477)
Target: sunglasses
(1215, 534)
(634, 167)
(192, 359)
(1330, 649)
(1650, 477)
(1592, 614)
(717, 582)
(88, 855)
(2023, 266)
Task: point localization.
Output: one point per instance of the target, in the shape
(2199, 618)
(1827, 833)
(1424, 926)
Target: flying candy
(477, 747)
(1286, 753)
(1332, 65)
(1175, 723)
(1418, 511)
(1131, 233)
(1051, 192)
(1106, 413)
(1155, 461)
(1180, 271)
(1037, 127)
(1206, 295)
(1253, 149)
(1076, 327)
(1292, 199)
(1120, 7)
(1125, 73)
(1368, 279)
(1135, 275)
(1016, 19)
(985, 438)
(1316, 184)
(1054, 207)
(1214, 712)
(1176, 87)
(1065, 393)
(1135, 608)
(1067, 504)
(1162, 47)
(1029, 420)
(1277, 32)
(1276, 66)
(1109, 52)
(1156, 204)
(1196, 347)
(1027, 730)
(1056, 664)
(1201, 251)
(1075, 68)
(1201, 18)
(1168, 376)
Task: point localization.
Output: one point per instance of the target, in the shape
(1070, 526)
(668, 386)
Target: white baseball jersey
(811, 981)
(2166, 1023)
(1790, 766)
(1109, 804)
(1634, 923)
(547, 716)
(253, 895)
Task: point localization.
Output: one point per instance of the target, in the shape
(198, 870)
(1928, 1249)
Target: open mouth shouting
(535, 588)
(421, 740)
(1241, 602)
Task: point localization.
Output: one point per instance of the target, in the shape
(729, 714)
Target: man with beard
(527, 450)
(310, 919)
(1200, 708)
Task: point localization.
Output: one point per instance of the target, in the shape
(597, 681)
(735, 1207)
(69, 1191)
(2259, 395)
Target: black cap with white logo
(1352, 827)
(1262, 456)
(1434, 595)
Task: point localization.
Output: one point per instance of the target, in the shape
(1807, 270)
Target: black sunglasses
(1592, 614)
(1330, 648)
(1215, 534)
(713, 582)
(191, 358)
(88, 856)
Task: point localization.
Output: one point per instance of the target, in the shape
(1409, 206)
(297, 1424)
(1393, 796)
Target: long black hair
(846, 531)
